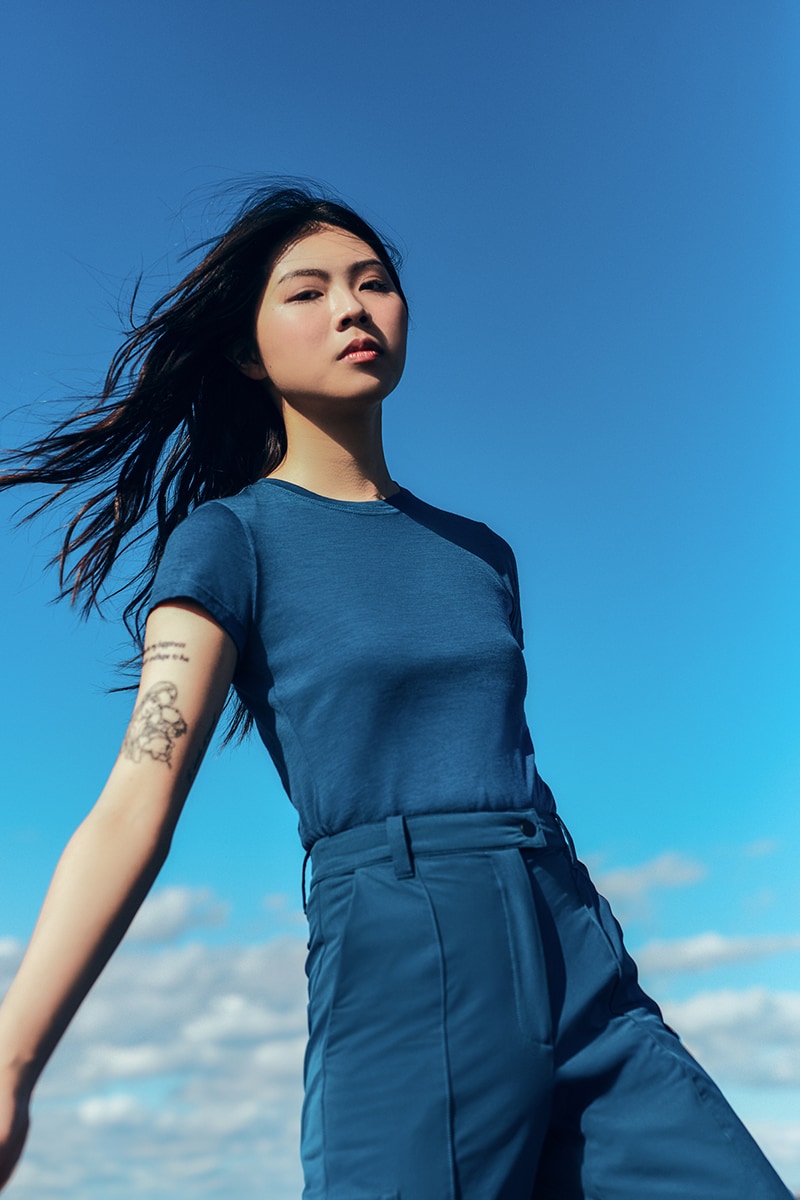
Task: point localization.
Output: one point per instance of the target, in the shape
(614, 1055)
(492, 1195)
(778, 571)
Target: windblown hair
(176, 422)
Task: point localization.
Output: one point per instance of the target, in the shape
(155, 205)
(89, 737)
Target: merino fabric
(380, 650)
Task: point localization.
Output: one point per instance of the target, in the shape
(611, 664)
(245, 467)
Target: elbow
(133, 828)
(161, 847)
(155, 841)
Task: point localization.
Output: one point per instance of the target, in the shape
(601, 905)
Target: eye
(377, 285)
(307, 294)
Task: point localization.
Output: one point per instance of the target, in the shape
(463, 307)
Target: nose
(352, 312)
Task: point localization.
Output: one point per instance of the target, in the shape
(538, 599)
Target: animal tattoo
(155, 726)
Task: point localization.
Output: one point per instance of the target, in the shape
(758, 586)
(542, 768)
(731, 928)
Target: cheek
(284, 338)
(398, 318)
(401, 332)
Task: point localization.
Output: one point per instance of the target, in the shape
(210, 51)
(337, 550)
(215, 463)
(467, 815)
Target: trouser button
(528, 828)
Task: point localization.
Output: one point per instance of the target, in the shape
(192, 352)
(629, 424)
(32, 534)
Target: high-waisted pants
(477, 1031)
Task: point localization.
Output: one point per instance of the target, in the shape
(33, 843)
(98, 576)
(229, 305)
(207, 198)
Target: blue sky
(597, 202)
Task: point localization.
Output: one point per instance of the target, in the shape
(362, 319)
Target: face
(331, 327)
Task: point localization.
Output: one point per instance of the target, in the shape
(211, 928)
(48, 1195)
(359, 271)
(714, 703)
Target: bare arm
(113, 857)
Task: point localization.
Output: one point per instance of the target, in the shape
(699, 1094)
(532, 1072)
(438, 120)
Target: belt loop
(303, 881)
(397, 837)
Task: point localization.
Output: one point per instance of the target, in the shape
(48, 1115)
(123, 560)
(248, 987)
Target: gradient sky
(598, 206)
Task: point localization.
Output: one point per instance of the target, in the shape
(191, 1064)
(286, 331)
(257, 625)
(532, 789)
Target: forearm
(102, 877)
(112, 859)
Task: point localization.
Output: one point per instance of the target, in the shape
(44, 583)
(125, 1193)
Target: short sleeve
(209, 559)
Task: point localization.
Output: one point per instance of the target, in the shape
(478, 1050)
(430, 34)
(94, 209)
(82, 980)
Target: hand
(14, 1125)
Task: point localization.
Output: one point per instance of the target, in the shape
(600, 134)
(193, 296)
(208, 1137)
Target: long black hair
(176, 422)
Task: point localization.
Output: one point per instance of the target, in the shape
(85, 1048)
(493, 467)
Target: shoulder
(210, 560)
(228, 517)
(474, 536)
(212, 530)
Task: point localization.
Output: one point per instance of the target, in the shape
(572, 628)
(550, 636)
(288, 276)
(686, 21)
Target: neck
(345, 463)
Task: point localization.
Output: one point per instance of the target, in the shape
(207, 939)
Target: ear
(246, 360)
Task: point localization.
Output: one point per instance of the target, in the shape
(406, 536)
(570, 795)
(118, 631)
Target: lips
(366, 346)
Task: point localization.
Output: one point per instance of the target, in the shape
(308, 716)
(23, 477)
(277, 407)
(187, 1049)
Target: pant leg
(634, 1116)
(428, 1072)
(479, 1023)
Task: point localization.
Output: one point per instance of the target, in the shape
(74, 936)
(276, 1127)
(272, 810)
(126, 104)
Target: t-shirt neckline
(387, 505)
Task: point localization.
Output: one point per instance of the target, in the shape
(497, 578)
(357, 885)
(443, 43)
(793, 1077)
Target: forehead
(326, 248)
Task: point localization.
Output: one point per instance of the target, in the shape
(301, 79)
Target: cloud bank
(181, 1077)
(749, 1037)
(629, 888)
(708, 950)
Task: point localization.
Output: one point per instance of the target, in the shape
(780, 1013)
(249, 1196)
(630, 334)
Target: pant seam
(325, 1032)
(455, 1189)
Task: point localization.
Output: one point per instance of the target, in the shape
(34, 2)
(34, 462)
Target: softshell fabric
(477, 1031)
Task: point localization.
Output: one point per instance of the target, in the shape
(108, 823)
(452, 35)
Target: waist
(402, 839)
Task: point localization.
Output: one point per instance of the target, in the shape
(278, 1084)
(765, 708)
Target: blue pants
(477, 1031)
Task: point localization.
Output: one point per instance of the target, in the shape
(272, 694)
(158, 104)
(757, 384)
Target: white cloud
(180, 1077)
(281, 907)
(762, 847)
(708, 950)
(749, 1037)
(780, 1141)
(628, 888)
(116, 1109)
(10, 949)
(172, 911)
(234, 1017)
(10, 955)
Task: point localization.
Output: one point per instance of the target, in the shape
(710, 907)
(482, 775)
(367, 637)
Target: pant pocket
(526, 956)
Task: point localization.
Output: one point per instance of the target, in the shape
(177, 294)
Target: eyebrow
(317, 273)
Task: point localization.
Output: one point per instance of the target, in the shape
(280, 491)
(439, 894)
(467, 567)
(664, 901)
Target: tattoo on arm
(164, 652)
(155, 726)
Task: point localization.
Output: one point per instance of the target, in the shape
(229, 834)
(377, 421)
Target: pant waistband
(400, 840)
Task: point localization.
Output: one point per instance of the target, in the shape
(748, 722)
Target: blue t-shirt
(380, 650)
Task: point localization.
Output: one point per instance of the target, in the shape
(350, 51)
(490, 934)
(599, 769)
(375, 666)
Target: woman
(476, 1027)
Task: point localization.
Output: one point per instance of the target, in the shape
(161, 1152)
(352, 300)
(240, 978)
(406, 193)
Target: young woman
(476, 1030)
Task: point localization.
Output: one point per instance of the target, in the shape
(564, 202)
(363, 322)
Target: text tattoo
(164, 652)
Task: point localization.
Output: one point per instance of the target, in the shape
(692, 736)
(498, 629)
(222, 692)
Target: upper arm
(187, 668)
